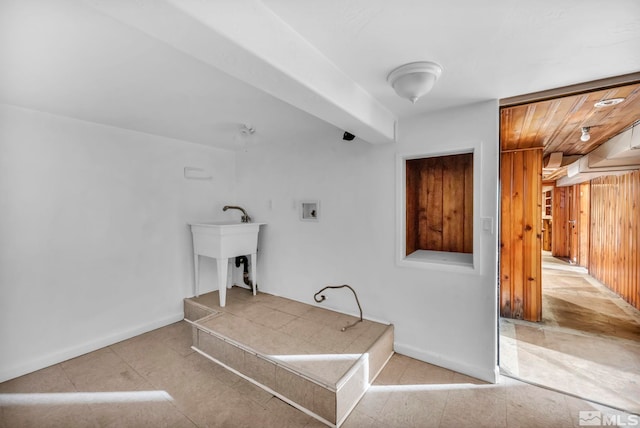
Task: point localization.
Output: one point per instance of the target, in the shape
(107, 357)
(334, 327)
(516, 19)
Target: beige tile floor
(157, 380)
(588, 343)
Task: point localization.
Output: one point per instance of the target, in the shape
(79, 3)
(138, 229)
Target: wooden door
(572, 224)
(584, 223)
(560, 214)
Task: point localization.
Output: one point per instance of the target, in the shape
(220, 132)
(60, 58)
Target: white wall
(94, 246)
(446, 318)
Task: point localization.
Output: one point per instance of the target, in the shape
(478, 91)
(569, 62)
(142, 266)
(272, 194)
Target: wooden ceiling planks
(555, 124)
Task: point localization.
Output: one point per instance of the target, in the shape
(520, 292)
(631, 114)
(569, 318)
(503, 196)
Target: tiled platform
(293, 350)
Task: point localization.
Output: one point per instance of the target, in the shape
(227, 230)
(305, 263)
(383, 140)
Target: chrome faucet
(245, 216)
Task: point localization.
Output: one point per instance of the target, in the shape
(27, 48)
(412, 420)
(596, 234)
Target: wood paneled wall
(440, 203)
(615, 234)
(521, 235)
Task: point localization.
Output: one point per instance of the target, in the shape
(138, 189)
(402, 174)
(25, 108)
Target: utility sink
(223, 240)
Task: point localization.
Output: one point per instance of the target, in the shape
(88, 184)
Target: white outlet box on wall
(309, 210)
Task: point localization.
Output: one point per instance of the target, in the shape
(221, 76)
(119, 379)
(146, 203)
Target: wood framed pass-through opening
(439, 204)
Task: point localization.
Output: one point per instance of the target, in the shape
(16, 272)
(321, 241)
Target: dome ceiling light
(247, 129)
(415, 79)
(585, 134)
(608, 102)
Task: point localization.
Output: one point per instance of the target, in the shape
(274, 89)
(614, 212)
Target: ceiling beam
(565, 91)
(248, 41)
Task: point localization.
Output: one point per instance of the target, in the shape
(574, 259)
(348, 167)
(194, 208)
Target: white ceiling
(300, 68)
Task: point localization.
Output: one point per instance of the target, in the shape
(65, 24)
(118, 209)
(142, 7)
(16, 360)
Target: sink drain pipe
(243, 260)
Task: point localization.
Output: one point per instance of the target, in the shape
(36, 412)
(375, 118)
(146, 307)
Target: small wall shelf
(451, 181)
(547, 200)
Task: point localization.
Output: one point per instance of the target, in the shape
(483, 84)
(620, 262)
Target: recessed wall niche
(439, 204)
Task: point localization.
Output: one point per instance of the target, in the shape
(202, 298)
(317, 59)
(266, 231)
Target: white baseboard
(490, 375)
(58, 356)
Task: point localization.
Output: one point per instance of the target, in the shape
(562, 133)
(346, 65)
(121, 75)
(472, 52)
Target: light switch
(487, 224)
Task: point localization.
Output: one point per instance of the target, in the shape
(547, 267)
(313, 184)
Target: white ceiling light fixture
(246, 136)
(586, 136)
(608, 102)
(247, 129)
(415, 79)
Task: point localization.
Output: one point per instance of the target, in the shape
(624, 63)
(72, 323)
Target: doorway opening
(570, 241)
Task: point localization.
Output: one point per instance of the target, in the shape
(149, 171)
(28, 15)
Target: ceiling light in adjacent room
(415, 79)
(585, 134)
(608, 102)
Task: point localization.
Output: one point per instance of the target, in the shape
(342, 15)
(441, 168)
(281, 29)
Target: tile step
(325, 385)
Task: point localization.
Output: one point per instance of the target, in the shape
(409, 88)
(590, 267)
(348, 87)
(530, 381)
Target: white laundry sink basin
(223, 240)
